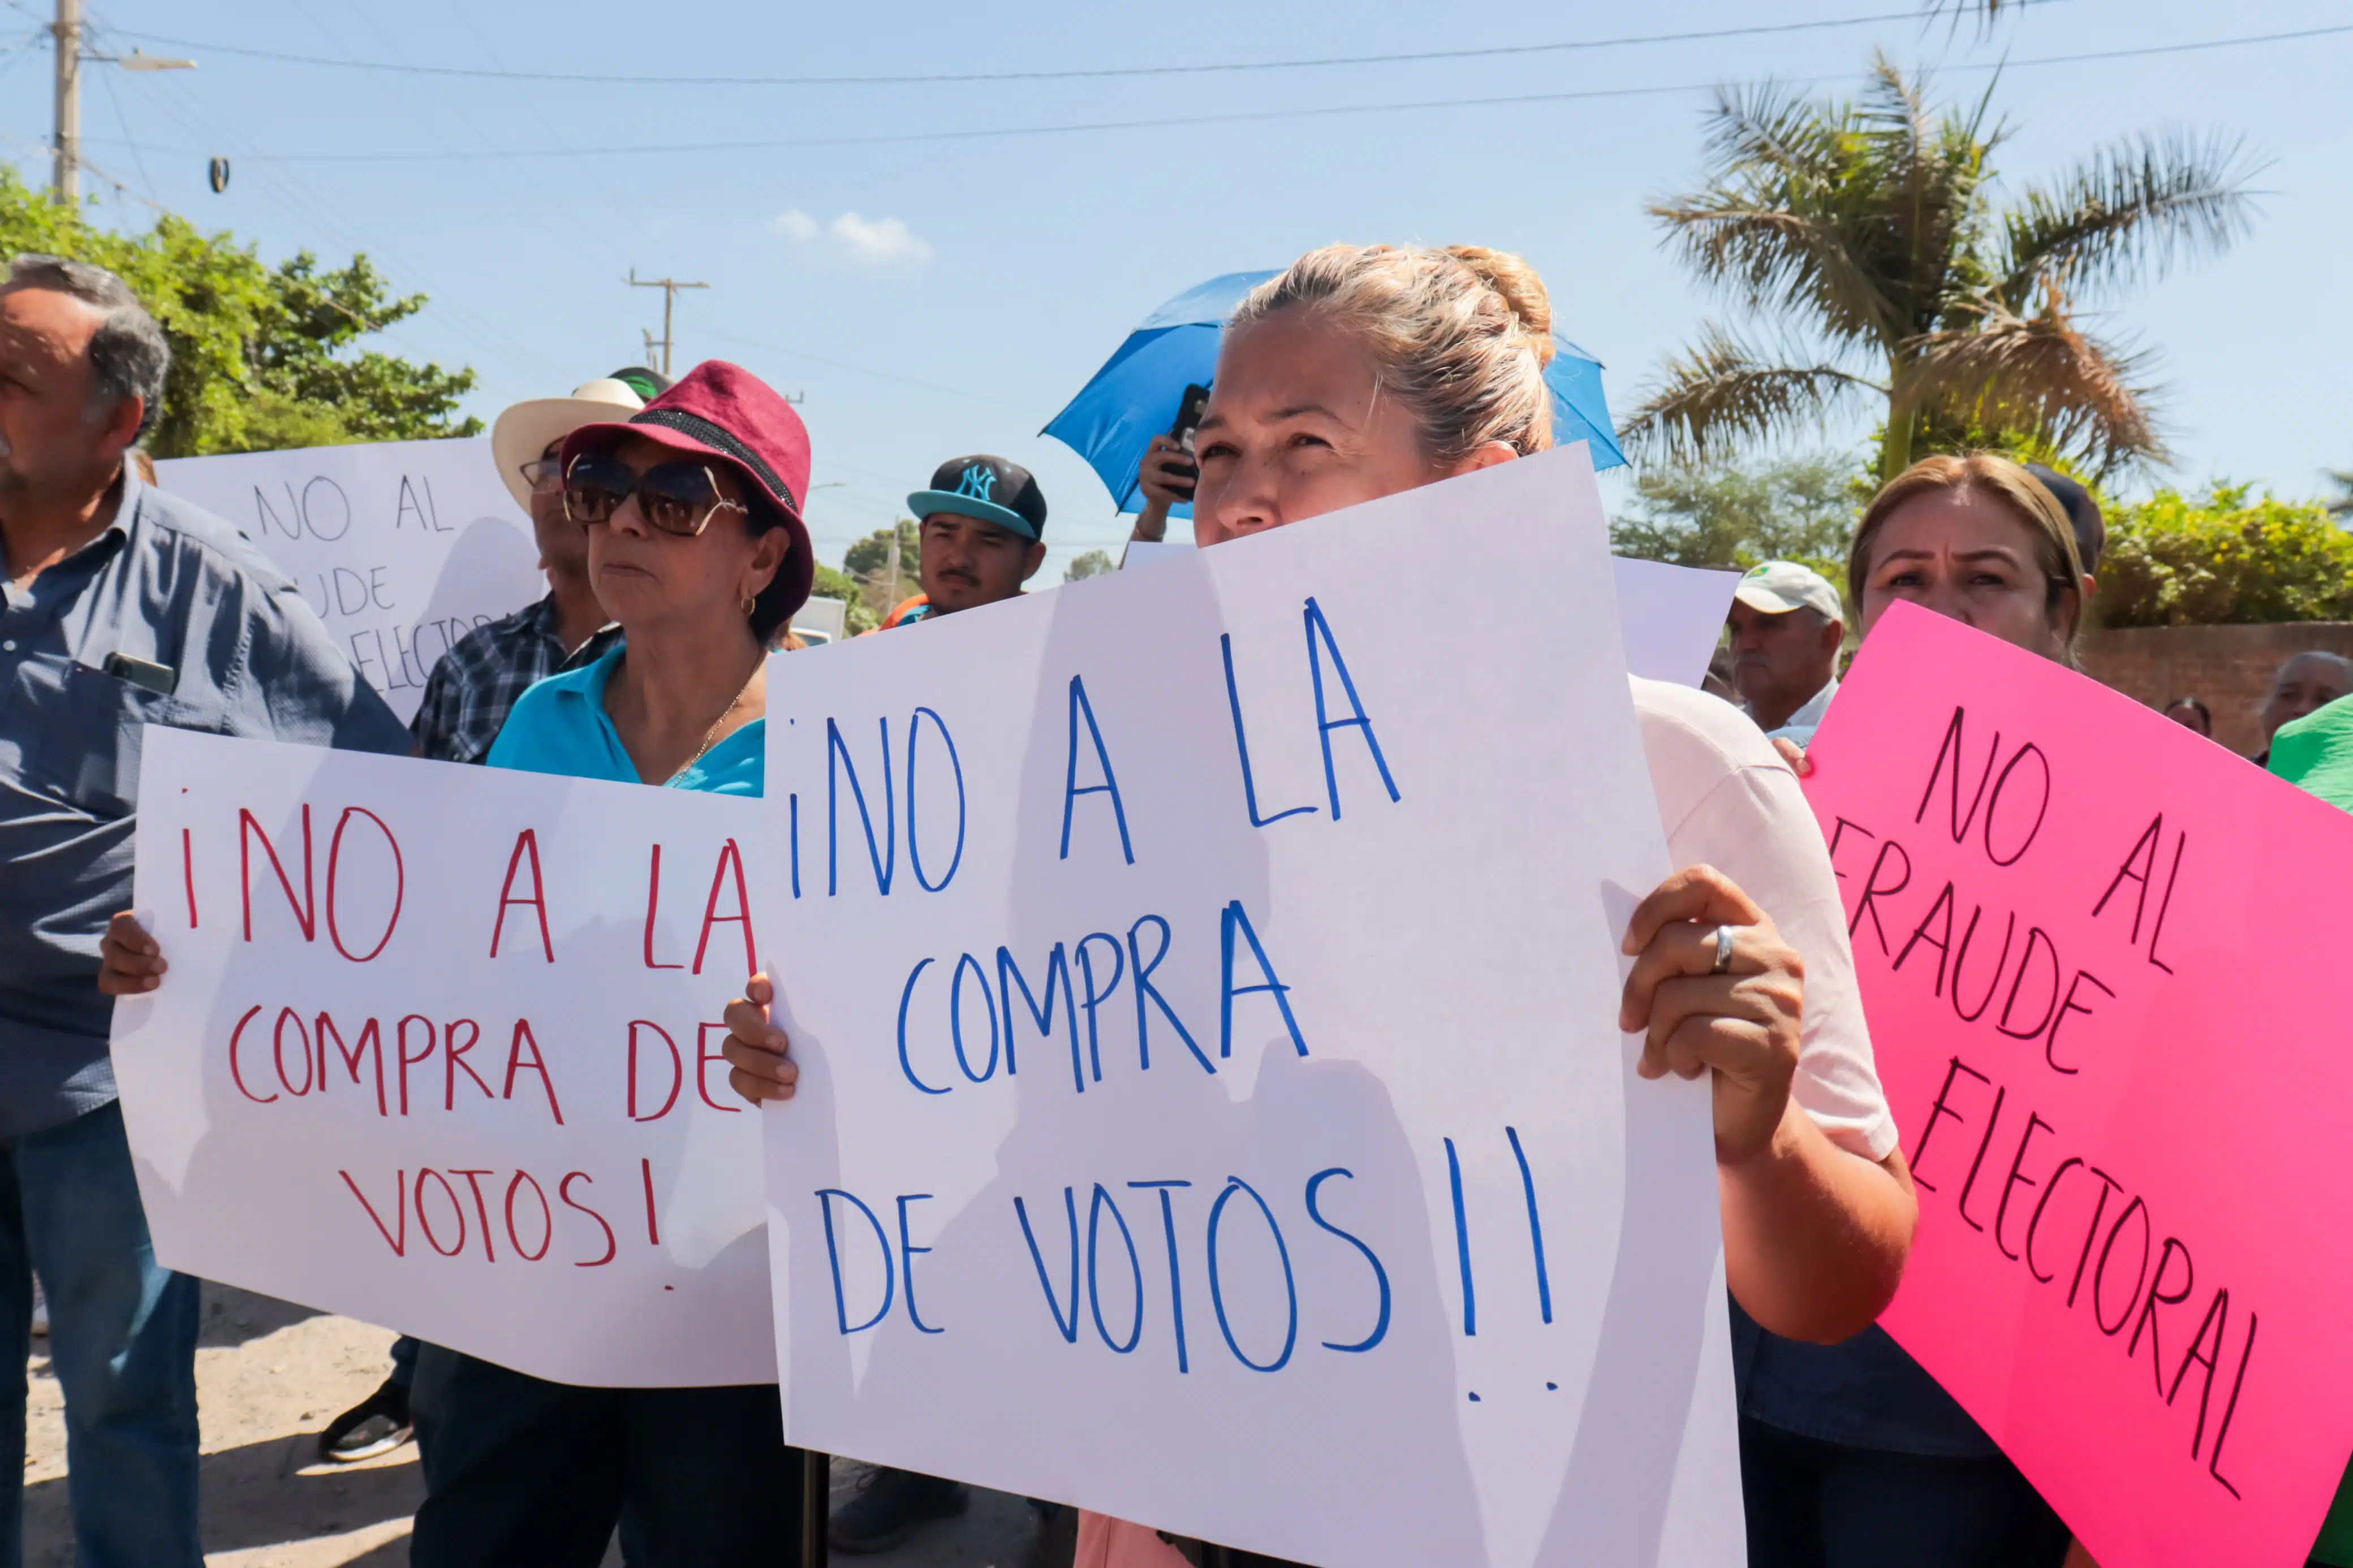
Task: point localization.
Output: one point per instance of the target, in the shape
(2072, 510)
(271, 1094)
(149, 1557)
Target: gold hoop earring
(749, 605)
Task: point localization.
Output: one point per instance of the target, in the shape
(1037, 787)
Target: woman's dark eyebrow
(2005, 557)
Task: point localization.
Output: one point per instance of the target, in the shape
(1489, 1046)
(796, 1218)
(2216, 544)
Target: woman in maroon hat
(697, 548)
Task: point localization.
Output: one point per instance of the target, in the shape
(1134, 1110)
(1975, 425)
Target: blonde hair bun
(1522, 290)
(1460, 336)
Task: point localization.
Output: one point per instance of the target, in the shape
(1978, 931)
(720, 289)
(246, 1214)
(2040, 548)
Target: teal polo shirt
(559, 726)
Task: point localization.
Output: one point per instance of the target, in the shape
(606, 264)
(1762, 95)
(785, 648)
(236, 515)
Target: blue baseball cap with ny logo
(988, 488)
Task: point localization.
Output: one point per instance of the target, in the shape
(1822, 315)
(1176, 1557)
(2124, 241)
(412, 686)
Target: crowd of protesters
(669, 522)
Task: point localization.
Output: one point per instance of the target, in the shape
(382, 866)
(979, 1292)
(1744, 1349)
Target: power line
(530, 100)
(106, 80)
(861, 370)
(1249, 116)
(1081, 74)
(317, 215)
(21, 50)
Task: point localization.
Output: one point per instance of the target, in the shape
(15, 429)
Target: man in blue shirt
(122, 607)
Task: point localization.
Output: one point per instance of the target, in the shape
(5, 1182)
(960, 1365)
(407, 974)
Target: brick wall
(2229, 668)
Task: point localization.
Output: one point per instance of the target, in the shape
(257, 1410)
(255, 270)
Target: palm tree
(1869, 231)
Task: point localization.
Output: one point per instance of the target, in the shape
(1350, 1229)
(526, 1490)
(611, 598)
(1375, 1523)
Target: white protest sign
(401, 547)
(438, 1050)
(1670, 616)
(1213, 1111)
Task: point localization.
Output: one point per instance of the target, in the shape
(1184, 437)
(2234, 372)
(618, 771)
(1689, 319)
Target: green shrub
(2222, 557)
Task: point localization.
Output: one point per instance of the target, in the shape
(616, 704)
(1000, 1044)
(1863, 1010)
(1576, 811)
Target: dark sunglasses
(673, 498)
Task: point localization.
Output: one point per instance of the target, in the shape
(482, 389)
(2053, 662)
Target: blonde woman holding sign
(1365, 371)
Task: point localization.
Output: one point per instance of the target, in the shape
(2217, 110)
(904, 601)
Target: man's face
(2307, 683)
(968, 561)
(52, 443)
(562, 543)
(1780, 660)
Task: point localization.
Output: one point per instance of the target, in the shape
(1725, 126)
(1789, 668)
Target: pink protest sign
(2100, 957)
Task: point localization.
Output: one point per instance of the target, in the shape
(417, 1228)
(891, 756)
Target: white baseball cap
(1777, 587)
(522, 432)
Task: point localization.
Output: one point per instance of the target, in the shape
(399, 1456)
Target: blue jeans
(122, 1342)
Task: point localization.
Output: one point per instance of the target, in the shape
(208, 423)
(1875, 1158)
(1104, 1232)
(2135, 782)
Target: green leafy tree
(832, 584)
(305, 353)
(1093, 564)
(872, 554)
(262, 358)
(868, 562)
(2224, 556)
(1868, 234)
(1800, 509)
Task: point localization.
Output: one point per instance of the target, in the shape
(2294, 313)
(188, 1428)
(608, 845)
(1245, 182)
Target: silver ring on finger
(1724, 940)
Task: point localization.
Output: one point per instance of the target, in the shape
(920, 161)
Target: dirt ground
(269, 1375)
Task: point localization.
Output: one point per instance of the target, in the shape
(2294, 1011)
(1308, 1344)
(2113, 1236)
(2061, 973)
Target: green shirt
(2316, 752)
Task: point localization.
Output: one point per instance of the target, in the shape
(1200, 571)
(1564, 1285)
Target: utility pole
(668, 286)
(66, 30)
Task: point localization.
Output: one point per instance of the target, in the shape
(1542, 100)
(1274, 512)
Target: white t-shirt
(1727, 800)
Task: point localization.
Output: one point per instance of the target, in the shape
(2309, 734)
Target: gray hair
(129, 351)
(2336, 661)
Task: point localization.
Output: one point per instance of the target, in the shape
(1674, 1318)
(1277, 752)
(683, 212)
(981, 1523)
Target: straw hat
(525, 430)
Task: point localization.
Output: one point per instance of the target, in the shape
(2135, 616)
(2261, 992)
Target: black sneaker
(890, 1506)
(376, 1425)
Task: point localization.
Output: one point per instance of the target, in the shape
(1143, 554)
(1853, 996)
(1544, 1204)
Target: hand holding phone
(1181, 478)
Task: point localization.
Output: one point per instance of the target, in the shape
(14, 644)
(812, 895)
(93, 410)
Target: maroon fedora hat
(723, 412)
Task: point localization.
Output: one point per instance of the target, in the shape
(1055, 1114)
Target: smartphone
(1188, 420)
(159, 678)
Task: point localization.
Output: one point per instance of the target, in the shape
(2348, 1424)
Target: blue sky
(936, 297)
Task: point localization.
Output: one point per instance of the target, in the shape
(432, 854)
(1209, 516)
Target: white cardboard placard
(340, 1096)
(1493, 1329)
(401, 547)
(1670, 615)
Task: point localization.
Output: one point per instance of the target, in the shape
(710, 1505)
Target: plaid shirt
(474, 685)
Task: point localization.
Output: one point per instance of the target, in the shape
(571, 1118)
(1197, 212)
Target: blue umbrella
(1580, 411)
(1133, 396)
